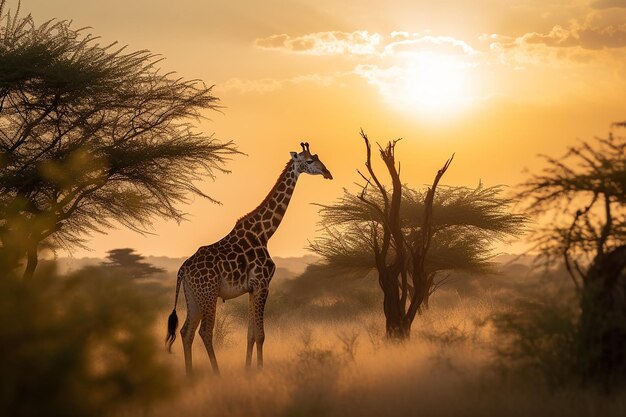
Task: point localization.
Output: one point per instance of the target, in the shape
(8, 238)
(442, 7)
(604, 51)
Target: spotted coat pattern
(237, 264)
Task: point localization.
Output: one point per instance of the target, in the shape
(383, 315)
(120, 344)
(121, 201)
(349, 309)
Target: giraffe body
(237, 264)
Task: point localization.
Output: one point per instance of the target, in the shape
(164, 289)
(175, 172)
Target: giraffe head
(310, 164)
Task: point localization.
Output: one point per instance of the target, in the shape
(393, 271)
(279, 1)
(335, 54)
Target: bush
(315, 378)
(78, 345)
(537, 336)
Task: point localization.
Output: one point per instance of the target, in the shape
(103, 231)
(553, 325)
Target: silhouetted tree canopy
(409, 235)
(466, 222)
(131, 263)
(580, 202)
(465, 225)
(92, 136)
(580, 199)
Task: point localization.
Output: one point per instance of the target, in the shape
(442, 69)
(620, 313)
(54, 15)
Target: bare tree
(410, 236)
(585, 193)
(388, 240)
(92, 136)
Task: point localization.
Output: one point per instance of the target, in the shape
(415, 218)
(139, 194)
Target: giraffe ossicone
(239, 263)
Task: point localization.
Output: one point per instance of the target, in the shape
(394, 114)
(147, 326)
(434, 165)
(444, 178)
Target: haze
(497, 82)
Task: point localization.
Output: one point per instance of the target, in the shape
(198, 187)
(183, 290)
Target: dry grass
(345, 368)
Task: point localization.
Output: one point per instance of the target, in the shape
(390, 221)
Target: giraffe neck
(265, 219)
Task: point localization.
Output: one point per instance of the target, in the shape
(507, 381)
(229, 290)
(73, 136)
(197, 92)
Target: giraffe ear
(294, 155)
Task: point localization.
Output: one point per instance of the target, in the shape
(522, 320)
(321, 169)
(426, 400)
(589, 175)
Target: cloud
(363, 43)
(360, 42)
(412, 49)
(608, 4)
(583, 36)
(416, 43)
(426, 70)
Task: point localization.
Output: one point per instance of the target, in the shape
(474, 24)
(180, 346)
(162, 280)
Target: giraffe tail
(172, 320)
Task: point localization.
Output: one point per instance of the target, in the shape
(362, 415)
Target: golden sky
(497, 82)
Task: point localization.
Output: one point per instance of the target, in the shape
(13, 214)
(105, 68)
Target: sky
(495, 82)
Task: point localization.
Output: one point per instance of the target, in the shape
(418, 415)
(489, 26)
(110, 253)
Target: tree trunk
(392, 270)
(602, 328)
(395, 320)
(31, 262)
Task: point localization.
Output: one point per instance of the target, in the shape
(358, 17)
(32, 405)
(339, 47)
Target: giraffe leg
(206, 331)
(188, 331)
(250, 344)
(259, 332)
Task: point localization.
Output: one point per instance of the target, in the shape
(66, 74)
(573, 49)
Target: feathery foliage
(92, 136)
(466, 223)
(585, 194)
(409, 235)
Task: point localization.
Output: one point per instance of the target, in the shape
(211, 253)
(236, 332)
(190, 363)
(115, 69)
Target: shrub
(537, 337)
(78, 345)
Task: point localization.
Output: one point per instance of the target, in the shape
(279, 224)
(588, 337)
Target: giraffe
(237, 264)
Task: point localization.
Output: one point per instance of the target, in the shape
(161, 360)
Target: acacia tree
(92, 136)
(585, 192)
(132, 263)
(409, 237)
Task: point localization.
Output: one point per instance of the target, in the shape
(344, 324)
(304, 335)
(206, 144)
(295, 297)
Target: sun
(432, 84)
